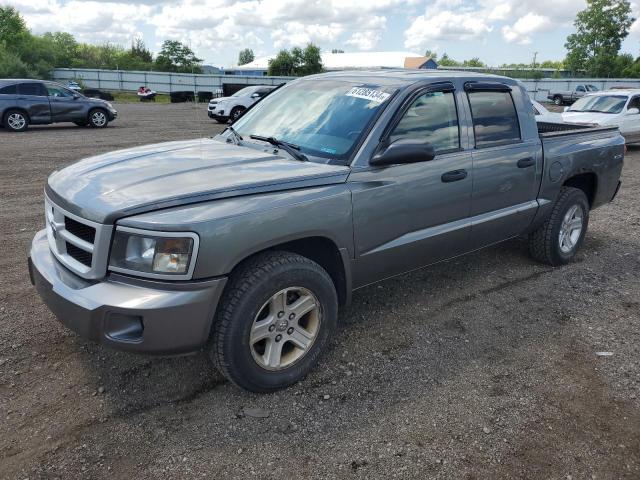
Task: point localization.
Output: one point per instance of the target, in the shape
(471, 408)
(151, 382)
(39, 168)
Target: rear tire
(277, 314)
(16, 121)
(558, 240)
(98, 118)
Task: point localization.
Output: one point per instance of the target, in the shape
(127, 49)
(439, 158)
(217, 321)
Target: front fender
(233, 229)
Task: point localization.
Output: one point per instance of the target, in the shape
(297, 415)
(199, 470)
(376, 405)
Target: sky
(496, 31)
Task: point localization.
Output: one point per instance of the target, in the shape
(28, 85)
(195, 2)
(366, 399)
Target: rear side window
(580, 88)
(432, 117)
(495, 121)
(31, 89)
(9, 90)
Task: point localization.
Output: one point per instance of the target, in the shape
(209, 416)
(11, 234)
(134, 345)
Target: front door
(65, 106)
(505, 166)
(630, 122)
(407, 216)
(32, 97)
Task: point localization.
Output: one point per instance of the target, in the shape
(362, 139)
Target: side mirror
(566, 109)
(633, 111)
(76, 96)
(405, 150)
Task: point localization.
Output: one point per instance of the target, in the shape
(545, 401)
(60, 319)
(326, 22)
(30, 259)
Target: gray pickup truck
(570, 96)
(245, 244)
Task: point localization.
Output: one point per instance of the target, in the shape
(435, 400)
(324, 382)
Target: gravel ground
(481, 367)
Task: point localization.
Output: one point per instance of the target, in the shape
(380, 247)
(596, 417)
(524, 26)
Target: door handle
(453, 176)
(526, 162)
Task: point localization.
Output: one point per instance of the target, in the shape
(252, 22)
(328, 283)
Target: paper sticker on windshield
(370, 94)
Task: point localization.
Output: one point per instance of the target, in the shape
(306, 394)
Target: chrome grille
(79, 244)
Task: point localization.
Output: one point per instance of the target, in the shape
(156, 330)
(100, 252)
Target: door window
(633, 103)
(580, 88)
(495, 121)
(59, 92)
(9, 90)
(431, 117)
(31, 89)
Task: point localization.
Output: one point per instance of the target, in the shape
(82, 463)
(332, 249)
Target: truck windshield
(325, 118)
(600, 104)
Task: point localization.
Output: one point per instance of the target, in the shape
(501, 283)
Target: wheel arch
(14, 109)
(322, 250)
(587, 182)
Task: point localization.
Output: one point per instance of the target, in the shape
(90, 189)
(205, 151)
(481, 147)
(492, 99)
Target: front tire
(16, 121)
(557, 100)
(236, 112)
(274, 321)
(98, 118)
(558, 240)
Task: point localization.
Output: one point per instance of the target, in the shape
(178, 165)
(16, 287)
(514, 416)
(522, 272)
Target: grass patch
(130, 97)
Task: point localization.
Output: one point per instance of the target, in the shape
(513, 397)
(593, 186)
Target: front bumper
(113, 114)
(125, 313)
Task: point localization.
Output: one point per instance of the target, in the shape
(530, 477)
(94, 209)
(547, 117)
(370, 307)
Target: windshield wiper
(290, 148)
(237, 137)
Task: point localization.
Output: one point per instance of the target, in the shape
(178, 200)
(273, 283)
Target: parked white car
(224, 108)
(543, 115)
(614, 107)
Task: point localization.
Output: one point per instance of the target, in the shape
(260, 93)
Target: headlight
(153, 254)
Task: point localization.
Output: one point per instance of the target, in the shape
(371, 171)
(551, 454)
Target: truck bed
(550, 129)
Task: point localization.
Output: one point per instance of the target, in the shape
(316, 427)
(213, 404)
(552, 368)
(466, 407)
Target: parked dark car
(37, 102)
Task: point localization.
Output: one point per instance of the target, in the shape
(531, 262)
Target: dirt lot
(481, 367)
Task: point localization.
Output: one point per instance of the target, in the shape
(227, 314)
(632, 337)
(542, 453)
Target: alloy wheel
(16, 121)
(285, 328)
(571, 229)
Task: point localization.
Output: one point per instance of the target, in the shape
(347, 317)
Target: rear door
(65, 104)
(32, 97)
(505, 165)
(410, 215)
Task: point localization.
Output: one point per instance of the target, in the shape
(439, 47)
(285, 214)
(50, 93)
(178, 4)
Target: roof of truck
(402, 76)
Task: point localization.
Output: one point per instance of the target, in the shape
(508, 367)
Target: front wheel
(98, 118)
(236, 113)
(275, 319)
(558, 240)
(557, 100)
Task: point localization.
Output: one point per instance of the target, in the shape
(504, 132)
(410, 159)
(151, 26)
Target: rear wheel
(16, 121)
(558, 240)
(98, 118)
(276, 317)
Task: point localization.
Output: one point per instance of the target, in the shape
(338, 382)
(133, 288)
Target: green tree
(600, 29)
(431, 54)
(337, 50)
(246, 56)
(13, 30)
(177, 57)
(297, 62)
(447, 61)
(474, 62)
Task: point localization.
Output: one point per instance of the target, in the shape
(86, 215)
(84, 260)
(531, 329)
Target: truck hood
(127, 182)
